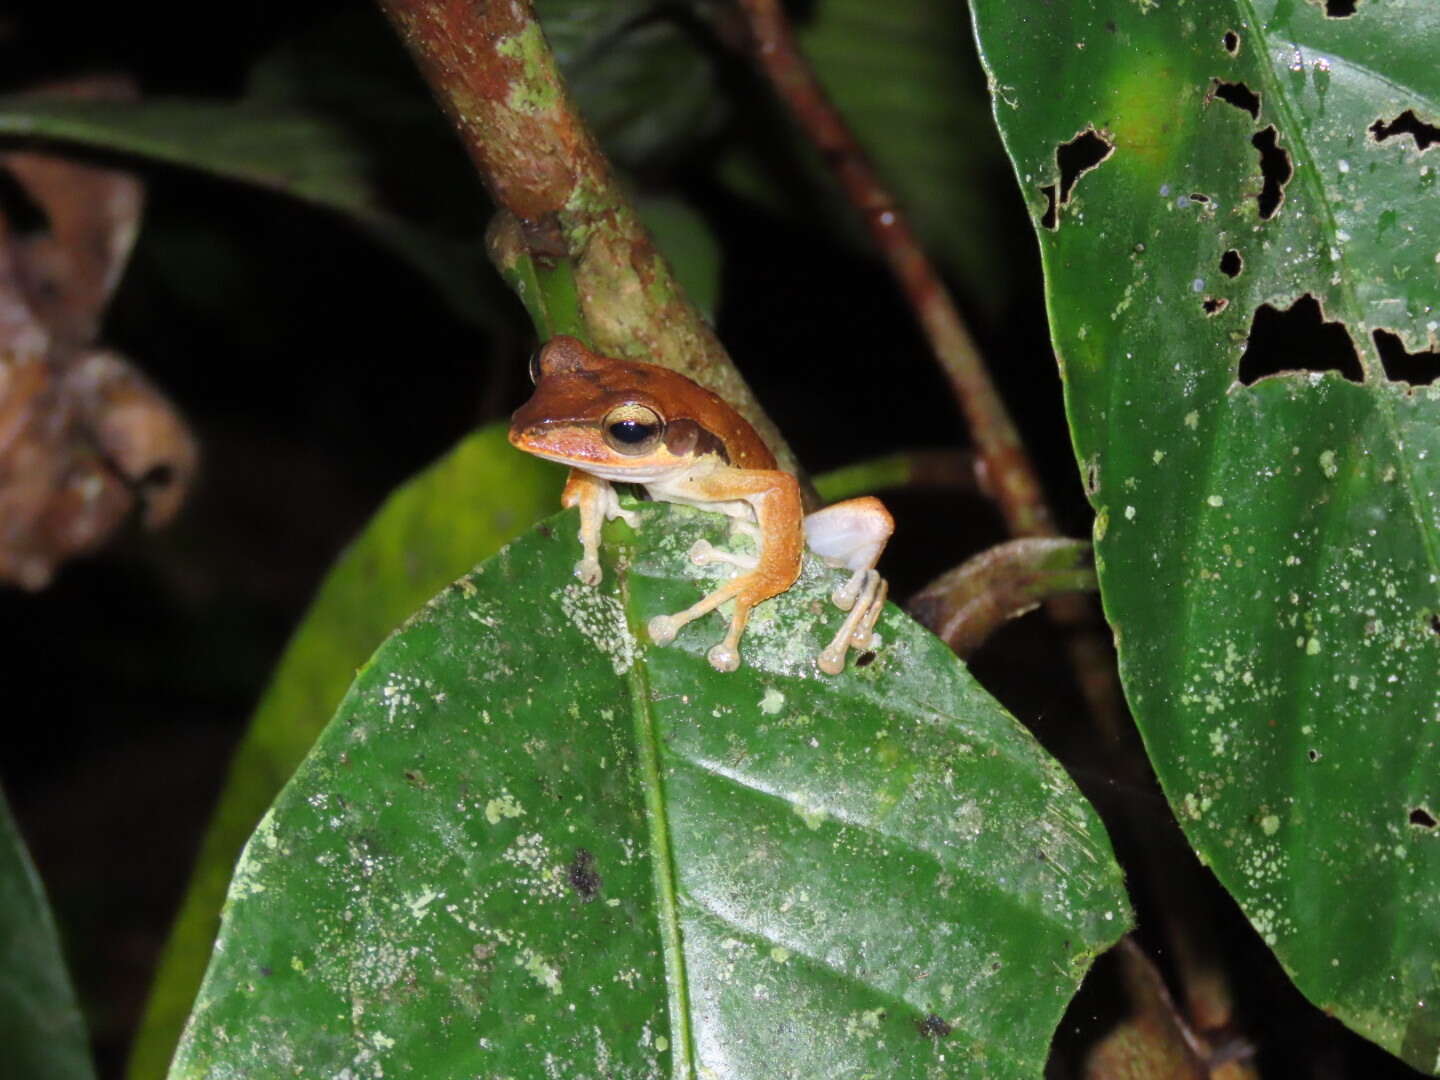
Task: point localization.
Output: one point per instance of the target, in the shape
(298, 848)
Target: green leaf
(306, 151)
(528, 843)
(1269, 553)
(41, 1029)
(433, 529)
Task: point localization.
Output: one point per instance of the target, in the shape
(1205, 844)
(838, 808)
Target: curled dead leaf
(85, 439)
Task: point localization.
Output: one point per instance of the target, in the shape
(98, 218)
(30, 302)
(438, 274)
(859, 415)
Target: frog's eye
(633, 429)
(535, 367)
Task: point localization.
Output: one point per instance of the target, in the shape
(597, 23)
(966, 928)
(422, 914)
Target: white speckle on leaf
(418, 904)
(506, 806)
(601, 619)
(813, 816)
(539, 969)
(772, 702)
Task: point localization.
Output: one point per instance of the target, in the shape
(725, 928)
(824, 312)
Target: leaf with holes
(1237, 210)
(527, 843)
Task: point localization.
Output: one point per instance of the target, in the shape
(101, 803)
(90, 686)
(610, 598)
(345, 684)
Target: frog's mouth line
(618, 475)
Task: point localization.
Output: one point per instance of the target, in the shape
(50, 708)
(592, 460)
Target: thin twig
(1009, 475)
(964, 606)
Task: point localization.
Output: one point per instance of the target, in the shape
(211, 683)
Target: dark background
(319, 372)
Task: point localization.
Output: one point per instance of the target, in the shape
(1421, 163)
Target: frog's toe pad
(832, 659)
(723, 658)
(588, 571)
(662, 629)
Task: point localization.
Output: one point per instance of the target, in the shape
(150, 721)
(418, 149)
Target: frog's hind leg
(726, 655)
(852, 534)
(775, 499)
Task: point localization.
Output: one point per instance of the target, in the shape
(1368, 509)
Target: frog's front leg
(775, 499)
(852, 534)
(598, 504)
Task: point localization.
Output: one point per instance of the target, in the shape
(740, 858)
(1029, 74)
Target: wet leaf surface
(527, 842)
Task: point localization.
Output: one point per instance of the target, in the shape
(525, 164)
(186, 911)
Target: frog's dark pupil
(631, 431)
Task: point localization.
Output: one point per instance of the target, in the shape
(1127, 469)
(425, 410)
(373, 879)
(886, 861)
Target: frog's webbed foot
(852, 534)
(858, 629)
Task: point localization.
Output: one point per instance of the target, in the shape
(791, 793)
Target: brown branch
(492, 71)
(1009, 476)
(964, 606)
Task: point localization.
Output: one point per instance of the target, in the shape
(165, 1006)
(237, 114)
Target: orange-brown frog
(617, 421)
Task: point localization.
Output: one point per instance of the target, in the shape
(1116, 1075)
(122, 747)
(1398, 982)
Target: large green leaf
(529, 845)
(40, 1025)
(429, 532)
(1269, 549)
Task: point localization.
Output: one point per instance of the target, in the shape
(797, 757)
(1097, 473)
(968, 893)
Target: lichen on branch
(492, 71)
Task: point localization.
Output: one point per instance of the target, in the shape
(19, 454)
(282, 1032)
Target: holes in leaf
(1196, 196)
(1297, 339)
(582, 876)
(1339, 9)
(1231, 41)
(1074, 158)
(1213, 305)
(1237, 94)
(1231, 263)
(1275, 167)
(933, 1027)
(1407, 123)
(1313, 754)
(1401, 365)
(1435, 623)
(1423, 818)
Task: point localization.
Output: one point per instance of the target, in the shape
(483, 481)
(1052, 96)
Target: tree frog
(618, 421)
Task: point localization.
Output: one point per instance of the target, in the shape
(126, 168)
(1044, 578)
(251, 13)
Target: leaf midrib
(662, 854)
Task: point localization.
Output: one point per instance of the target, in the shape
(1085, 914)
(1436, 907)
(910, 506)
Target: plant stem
(492, 71)
(1009, 476)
